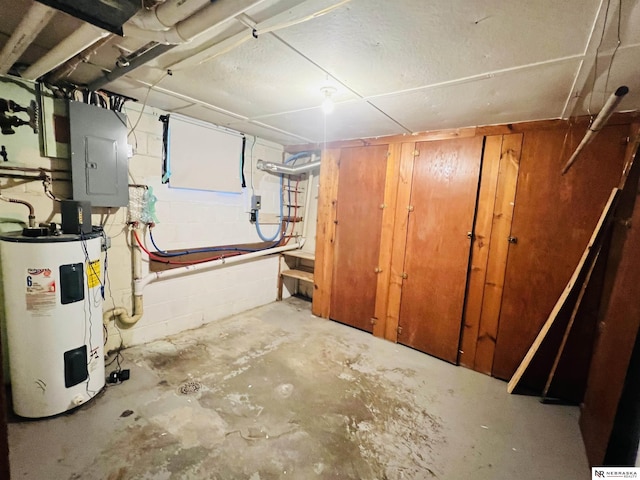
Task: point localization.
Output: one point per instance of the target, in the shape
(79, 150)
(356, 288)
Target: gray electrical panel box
(99, 163)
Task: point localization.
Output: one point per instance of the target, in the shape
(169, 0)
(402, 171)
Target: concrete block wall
(187, 218)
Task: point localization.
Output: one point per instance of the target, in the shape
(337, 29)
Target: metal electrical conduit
(122, 316)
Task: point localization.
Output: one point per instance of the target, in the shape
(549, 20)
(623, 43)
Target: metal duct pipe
(75, 43)
(27, 30)
(607, 110)
(280, 168)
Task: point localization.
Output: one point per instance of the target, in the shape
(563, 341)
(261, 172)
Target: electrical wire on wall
(281, 230)
(93, 300)
(118, 357)
(597, 54)
(166, 257)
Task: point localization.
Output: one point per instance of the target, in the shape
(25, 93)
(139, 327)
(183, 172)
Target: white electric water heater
(53, 307)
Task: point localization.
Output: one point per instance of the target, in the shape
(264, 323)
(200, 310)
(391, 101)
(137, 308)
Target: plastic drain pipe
(140, 284)
(607, 110)
(120, 314)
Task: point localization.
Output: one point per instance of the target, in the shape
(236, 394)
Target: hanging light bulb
(328, 105)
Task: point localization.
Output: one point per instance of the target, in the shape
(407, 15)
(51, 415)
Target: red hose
(156, 258)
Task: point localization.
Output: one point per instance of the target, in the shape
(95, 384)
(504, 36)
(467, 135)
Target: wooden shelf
(299, 254)
(298, 274)
(297, 265)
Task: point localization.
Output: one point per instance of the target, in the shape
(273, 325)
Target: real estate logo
(615, 472)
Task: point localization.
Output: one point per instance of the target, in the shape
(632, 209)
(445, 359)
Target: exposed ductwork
(27, 30)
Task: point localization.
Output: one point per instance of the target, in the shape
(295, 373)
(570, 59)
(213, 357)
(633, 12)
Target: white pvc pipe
(27, 30)
(166, 15)
(195, 25)
(82, 38)
(607, 110)
(140, 284)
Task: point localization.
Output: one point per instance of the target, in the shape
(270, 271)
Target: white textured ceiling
(400, 66)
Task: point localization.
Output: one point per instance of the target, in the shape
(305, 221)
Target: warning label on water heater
(41, 291)
(93, 273)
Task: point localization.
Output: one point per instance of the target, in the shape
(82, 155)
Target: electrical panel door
(99, 160)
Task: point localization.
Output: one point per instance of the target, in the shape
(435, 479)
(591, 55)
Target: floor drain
(190, 388)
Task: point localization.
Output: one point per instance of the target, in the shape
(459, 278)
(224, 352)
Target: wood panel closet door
(362, 172)
(553, 219)
(443, 200)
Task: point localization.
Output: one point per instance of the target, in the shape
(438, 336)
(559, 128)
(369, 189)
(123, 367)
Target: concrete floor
(277, 393)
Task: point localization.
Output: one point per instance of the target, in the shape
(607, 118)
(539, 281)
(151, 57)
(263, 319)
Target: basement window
(201, 156)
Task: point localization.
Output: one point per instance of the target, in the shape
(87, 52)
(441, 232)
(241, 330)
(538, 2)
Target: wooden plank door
(362, 172)
(553, 219)
(499, 178)
(443, 199)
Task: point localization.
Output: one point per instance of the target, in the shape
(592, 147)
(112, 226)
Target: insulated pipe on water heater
(607, 110)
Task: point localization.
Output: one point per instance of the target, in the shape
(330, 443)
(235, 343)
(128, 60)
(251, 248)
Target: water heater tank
(53, 307)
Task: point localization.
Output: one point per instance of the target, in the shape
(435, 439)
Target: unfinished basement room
(319, 239)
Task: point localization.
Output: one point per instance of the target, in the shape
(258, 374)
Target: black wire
(83, 241)
(244, 144)
(107, 281)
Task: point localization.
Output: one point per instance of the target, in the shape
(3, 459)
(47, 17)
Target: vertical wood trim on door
(386, 238)
(357, 241)
(405, 176)
(325, 232)
(480, 249)
(443, 196)
(498, 251)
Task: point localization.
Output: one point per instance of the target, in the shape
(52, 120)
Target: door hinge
(374, 320)
(377, 270)
(405, 275)
(383, 206)
(512, 239)
(470, 235)
(410, 208)
(399, 330)
(416, 153)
